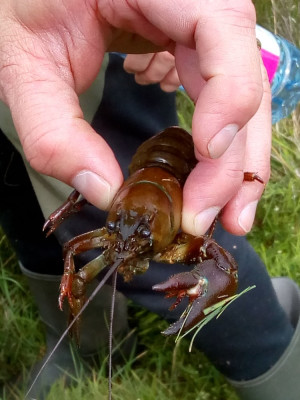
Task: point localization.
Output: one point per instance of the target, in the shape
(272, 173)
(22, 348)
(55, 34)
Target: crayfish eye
(110, 226)
(143, 231)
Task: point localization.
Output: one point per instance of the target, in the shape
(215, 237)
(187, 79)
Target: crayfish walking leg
(71, 206)
(73, 284)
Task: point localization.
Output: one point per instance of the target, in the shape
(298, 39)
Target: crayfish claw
(61, 298)
(189, 284)
(49, 227)
(71, 206)
(204, 286)
(65, 290)
(174, 328)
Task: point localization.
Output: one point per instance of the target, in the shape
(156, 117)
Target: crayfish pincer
(143, 223)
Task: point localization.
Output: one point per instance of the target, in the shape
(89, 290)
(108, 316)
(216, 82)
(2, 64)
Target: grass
(160, 370)
(18, 317)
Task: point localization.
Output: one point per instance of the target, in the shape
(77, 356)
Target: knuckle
(149, 77)
(140, 79)
(241, 9)
(137, 62)
(171, 82)
(167, 58)
(168, 87)
(41, 152)
(249, 96)
(236, 12)
(248, 9)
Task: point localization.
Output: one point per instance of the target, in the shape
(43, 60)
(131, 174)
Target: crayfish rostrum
(143, 223)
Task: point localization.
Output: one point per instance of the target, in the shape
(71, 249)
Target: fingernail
(97, 188)
(247, 216)
(204, 219)
(222, 140)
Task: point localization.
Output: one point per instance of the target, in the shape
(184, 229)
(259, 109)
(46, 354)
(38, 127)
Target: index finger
(226, 58)
(228, 62)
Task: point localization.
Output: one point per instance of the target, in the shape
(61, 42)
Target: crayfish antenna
(109, 273)
(113, 299)
(212, 227)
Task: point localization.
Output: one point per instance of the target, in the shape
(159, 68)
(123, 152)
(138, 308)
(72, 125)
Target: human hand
(153, 68)
(51, 52)
(216, 179)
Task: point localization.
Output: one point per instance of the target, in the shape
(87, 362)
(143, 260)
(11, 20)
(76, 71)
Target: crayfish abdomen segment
(172, 149)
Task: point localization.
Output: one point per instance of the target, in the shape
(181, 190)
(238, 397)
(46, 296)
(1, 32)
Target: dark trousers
(251, 334)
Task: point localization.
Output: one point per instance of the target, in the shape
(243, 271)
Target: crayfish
(143, 223)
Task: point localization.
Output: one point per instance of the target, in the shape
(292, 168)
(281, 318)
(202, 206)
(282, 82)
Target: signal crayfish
(143, 224)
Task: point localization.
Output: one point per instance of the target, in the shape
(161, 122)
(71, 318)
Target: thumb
(57, 141)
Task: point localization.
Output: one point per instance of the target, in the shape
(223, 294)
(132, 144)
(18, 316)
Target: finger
(191, 71)
(158, 68)
(217, 185)
(211, 185)
(135, 63)
(238, 215)
(57, 141)
(170, 82)
(223, 34)
(228, 61)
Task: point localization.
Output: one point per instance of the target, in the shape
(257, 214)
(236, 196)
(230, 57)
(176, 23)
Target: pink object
(271, 62)
(270, 51)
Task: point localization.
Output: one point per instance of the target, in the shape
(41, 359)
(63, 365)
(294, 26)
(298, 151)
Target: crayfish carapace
(143, 223)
